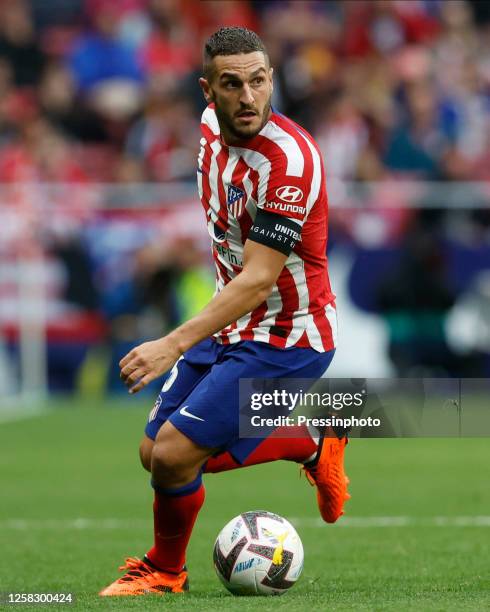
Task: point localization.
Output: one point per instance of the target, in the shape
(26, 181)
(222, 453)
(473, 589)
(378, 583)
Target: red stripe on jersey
(255, 318)
(207, 132)
(224, 272)
(245, 222)
(226, 279)
(324, 329)
(290, 303)
(254, 177)
(221, 161)
(272, 151)
(206, 167)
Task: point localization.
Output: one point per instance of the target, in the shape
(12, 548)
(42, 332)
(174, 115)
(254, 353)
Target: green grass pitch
(80, 462)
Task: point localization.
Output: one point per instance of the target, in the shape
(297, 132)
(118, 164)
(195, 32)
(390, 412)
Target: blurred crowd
(106, 91)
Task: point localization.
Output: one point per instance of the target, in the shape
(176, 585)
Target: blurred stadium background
(102, 243)
(101, 238)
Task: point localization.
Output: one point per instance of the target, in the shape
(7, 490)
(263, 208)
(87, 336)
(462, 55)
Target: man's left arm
(262, 266)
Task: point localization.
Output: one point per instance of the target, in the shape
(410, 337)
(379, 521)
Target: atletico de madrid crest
(235, 200)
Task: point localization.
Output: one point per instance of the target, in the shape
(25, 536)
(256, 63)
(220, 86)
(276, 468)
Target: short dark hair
(231, 41)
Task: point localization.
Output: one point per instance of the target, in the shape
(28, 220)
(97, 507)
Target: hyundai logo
(289, 193)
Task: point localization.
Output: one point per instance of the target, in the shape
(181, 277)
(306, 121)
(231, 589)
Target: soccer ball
(258, 553)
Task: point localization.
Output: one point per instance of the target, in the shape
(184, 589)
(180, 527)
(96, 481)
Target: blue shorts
(201, 395)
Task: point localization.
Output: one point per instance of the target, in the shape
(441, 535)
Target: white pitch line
(300, 522)
(74, 524)
(398, 521)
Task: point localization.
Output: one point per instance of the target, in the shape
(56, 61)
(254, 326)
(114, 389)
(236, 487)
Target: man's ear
(206, 90)
(271, 70)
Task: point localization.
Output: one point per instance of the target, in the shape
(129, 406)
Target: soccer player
(262, 185)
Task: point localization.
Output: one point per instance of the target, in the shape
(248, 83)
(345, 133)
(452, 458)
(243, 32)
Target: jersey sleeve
(282, 193)
(281, 207)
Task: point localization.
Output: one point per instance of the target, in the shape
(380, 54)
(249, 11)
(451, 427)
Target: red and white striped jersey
(280, 171)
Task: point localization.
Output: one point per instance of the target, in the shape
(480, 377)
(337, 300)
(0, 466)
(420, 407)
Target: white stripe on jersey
(228, 171)
(213, 181)
(248, 187)
(234, 335)
(313, 334)
(316, 179)
(209, 117)
(295, 266)
(331, 313)
(289, 146)
(274, 305)
(199, 184)
(200, 160)
(200, 157)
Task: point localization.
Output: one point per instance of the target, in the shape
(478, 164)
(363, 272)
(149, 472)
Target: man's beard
(225, 120)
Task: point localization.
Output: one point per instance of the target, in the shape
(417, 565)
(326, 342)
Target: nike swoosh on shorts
(184, 412)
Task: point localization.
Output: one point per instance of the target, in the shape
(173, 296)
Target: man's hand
(147, 362)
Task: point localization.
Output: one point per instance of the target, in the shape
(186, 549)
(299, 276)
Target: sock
(300, 449)
(221, 463)
(174, 514)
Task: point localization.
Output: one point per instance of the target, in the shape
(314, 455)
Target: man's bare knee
(170, 467)
(175, 459)
(146, 448)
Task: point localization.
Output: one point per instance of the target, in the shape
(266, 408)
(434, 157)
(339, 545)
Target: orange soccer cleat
(327, 474)
(143, 578)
